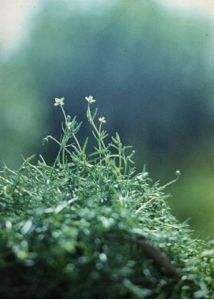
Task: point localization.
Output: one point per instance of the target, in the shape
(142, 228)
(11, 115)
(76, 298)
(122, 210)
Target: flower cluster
(89, 99)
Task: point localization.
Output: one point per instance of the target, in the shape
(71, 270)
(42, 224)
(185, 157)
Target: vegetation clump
(90, 226)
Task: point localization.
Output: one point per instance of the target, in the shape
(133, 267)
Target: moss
(91, 227)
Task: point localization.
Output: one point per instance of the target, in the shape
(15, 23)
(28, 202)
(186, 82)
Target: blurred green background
(149, 64)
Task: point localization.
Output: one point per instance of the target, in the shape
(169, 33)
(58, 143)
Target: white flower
(59, 101)
(90, 99)
(102, 120)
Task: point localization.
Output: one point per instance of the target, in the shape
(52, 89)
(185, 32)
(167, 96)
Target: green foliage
(153, 63)
(90, 226)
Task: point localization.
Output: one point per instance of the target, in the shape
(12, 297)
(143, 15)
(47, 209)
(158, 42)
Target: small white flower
(90, 99)
(102, 120)
(59, 101)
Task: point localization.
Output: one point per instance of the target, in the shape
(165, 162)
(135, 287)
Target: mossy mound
(90, 227)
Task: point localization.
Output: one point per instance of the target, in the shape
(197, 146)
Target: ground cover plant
(90, 226)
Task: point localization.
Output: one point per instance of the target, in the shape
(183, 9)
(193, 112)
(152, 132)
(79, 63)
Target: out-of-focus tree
(21, 113)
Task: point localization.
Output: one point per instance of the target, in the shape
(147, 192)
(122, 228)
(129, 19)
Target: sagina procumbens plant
(89, 226)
